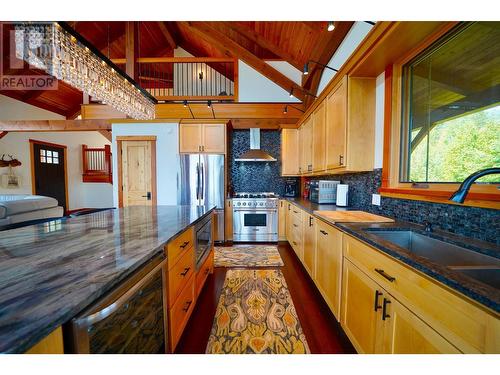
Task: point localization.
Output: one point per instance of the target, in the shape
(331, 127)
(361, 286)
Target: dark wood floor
(322, 331)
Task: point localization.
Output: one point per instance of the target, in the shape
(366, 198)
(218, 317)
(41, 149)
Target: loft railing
(188, 78)
(97, 164)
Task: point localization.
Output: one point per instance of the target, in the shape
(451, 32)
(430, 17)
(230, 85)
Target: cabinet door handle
(186, 308)
(377, 294)
(183, 246)
(341, 159)
(295, 225)
(323, 232)
(385, 275)
(310, 221)
(186, 270)
(295, 243)
(296, 212)
(384, 309)
(281, 204)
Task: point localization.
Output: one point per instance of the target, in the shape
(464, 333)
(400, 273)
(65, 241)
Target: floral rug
(256, 315)
(247, 256)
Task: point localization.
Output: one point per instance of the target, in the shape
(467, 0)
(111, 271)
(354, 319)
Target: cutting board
(352, 217)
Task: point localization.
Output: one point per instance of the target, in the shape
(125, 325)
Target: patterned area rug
(256, 315)
(247, 256)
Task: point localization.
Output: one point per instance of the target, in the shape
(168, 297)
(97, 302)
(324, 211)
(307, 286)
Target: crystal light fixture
(62, 53)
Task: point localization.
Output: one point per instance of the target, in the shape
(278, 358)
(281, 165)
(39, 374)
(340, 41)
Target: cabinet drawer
(181, 310)
(468, 327)
(295, 211)
(204, 271)
(179, 245)
(178, 274)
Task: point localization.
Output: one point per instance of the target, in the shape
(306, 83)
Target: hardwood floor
(323, 333)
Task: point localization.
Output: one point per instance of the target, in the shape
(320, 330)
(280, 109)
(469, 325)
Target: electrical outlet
(376, 199)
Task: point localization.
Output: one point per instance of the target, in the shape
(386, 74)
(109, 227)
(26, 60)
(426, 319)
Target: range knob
(261, 203)
(238, 203)
(244, 203)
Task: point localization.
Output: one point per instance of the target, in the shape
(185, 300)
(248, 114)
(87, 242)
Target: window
(451, 107)
(49, 157)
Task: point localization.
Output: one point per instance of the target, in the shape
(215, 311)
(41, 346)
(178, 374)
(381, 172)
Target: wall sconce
(200, 75)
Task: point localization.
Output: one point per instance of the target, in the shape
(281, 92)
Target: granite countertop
(482, 293)
(310, 207)
(50, 272)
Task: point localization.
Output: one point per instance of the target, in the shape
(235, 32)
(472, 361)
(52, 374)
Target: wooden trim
(55, 125)
(195, 98)
(150, 60)
(236, 80)
(387, 127)
(125, 138)
(167, 34)
(106, 134)
(3, 134)
(32, 156)
(136, 138)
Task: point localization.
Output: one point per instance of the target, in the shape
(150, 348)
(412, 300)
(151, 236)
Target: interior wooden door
(49, 171)
(336, 127)
(138, 176)
(406, 333)
(214, 138)
(310, 244)
(361, 306)
(190, 138)
(329, 264)
(319, 135)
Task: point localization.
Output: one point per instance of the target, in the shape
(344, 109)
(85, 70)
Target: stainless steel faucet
(461, 193)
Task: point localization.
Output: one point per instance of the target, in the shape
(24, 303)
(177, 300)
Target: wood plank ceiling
(252, 42)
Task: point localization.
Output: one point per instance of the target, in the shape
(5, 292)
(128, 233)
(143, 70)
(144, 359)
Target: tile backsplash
(256, 176)
(475, 222)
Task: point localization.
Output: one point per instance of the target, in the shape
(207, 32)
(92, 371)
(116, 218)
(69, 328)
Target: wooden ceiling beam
(131, 33)
(106, 134)
(230, 48)
(263, 43)
(3, 134)
(167, 34)
(328, 43)
(54, 125)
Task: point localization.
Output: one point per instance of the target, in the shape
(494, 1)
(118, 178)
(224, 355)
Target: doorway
(136, 171)
(49, 171)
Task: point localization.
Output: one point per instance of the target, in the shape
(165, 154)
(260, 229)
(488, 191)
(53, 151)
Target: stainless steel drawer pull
(323, 232)
(186, 308)
(183, 246)
(186, 270)
(385, 275)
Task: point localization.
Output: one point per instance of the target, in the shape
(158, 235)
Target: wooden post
(131, 49)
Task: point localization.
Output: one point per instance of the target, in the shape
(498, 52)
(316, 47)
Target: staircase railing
(97, 164)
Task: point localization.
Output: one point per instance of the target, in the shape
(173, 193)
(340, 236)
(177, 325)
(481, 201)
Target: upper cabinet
(289, 154)
(339, 135)
(202, 138)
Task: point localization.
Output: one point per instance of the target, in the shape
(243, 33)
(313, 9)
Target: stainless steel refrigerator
(201, 182)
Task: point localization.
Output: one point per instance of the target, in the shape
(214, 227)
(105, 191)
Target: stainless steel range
(255, 217)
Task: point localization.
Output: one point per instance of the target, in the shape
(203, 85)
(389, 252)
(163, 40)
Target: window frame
(480, 195)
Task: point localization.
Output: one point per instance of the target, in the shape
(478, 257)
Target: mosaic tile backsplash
(475, 222)
(256, 176)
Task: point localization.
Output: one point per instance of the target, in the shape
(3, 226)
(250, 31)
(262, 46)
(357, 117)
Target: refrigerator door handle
(198, 181)
(202, 183)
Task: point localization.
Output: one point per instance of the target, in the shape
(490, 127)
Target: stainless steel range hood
(255, 153)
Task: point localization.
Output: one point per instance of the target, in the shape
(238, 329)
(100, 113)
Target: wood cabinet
(376, 322)
(228, 220)
(289, 152)
(51, 344)
(329, 264)
(336, 126)
(206, 269)
(319, 138)
(306, 139)
(202, 138)
(310, 244)
(282, 220)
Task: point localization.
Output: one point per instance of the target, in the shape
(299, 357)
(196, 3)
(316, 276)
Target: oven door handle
(254, 210)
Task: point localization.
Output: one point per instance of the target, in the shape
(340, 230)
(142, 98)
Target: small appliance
(323, 191)
(291, 188)
(342, 195)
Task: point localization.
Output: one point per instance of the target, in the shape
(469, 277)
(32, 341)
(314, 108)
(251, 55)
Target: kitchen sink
(490, 276)
(437, 251)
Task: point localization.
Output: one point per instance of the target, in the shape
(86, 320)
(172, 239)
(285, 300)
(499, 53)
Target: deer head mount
(9, 163)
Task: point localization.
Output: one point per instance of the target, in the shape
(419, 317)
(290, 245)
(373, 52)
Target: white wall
(167, 157)
(254, 87)
(379, 121)
(12, 109)
(288, 70)
(80, 194)
(349, 44)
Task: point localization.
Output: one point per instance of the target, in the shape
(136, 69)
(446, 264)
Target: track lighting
(209, 104)
(291, 93)
(185, 103)
(306, 67)
(331, 26)
(285, 110)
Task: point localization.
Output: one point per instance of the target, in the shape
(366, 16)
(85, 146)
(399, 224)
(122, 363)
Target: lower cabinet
(309, 248)
(180, 312)
(378, 323)
(328, 275)
(202, 274)
(282, 220)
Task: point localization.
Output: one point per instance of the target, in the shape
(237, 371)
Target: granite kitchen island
(50, 272)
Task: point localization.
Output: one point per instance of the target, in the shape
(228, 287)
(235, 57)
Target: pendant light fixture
(331, 26)
(63, 53)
